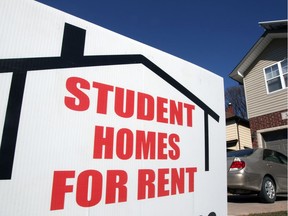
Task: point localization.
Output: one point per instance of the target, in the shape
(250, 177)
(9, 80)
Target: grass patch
(281, 213)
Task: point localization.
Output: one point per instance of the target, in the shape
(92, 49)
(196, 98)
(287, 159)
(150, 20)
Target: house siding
(240, 133)
(231, 132)
(245, 137)
(259, 102)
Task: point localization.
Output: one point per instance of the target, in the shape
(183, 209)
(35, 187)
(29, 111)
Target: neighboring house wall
(259, 102)
(265, 109)
(238, 135)
(245, 137)
(232, 137)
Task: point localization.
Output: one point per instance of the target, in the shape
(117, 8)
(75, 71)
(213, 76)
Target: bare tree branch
(236, 96)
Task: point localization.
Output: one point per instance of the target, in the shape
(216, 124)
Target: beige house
(238, 135)
(263, 72)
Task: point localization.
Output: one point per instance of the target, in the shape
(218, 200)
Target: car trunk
(229, 162)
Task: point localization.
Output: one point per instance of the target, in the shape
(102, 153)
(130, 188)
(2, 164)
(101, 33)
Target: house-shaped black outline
(72, 57)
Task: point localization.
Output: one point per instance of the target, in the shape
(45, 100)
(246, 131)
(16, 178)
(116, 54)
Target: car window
(240, 153)
(272, 158)
(276, 157)
(282, 158)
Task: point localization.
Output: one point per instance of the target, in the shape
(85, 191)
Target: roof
(273, 30)
(274, 25)
(238, 120)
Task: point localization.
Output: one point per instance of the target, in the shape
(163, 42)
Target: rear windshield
(240, 153)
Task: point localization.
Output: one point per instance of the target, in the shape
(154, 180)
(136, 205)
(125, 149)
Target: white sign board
(94, 123)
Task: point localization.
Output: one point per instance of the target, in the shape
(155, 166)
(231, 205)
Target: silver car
(257, 171)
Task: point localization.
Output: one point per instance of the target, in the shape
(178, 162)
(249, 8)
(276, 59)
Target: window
(270, 155)
(282, 158)
(276, 76)
(276, 157)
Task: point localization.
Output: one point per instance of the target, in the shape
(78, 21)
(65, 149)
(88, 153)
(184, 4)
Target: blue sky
(212, 34)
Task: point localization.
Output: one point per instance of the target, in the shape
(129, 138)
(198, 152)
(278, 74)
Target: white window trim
(281, 75)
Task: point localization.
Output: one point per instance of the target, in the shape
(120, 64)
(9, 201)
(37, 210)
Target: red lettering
(140, 144)
(145, 107)
(81, 101)
(127, 110)
(162, 110)
(191, 172)
(162, 145)
(101, 141)
(146, 178)
(145, 146)
(189, 109)
(162, 182)
(124, 147)
(116, 181)
(102, 99)
(176, 112)
(169, 182)
(174, 153)
(177, 182)
(89, 188)
(59, 188)
(89, 180)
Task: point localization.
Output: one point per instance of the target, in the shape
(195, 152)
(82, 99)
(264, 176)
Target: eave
(274, 30)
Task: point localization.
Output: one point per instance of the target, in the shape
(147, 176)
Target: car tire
(268, 191)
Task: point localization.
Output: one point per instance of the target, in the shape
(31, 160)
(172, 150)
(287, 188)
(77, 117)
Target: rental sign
(92, 122)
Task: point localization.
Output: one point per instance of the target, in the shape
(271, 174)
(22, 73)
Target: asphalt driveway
(245, 205)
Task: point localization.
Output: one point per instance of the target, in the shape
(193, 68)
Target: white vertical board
(94, 123)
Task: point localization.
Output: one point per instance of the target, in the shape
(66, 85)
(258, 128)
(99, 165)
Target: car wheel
(268, 191)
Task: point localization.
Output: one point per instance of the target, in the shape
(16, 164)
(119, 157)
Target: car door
(277, 166)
